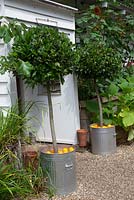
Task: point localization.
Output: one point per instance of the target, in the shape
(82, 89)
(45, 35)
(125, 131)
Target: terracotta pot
(82, 137)
(31, 159)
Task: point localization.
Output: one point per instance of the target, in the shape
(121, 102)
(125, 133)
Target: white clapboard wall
(7, 84)
(65, 104)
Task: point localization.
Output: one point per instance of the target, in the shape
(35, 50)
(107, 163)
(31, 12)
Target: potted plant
(99, 63)
(42, 55)
(105, 41)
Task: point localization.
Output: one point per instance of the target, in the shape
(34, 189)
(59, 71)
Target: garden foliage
(106, 46)
(121, 109)
(15, 180)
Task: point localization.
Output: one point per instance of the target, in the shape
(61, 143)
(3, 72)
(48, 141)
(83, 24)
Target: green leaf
(132, 53)
(2, 31)
(131, 79)
(7, 36)
(131, 135)
(92, 106)
(132, 36)
(128, 120)
(113, 89)
(124, 112)
(25, 68)
(108, 121)
(124, 84)
(24, 26)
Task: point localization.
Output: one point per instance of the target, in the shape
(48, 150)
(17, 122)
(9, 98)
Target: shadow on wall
(65, 114)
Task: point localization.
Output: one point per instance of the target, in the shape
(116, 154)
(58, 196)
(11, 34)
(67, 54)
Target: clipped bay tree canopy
(40, 54)
(98, 62)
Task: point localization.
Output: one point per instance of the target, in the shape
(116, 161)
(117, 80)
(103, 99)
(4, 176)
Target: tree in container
(97, 63)
(40, 55)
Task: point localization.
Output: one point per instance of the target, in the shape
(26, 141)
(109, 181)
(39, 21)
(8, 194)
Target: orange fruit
(60, 151)
(49, 152)
(70, 149)
(95, 126)
(109, 125)
(52, 150)
(65, 150)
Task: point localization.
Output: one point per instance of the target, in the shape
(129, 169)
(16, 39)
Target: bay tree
(98, 63)
(40, 55)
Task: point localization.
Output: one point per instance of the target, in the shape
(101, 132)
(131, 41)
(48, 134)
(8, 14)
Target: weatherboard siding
(41, 13)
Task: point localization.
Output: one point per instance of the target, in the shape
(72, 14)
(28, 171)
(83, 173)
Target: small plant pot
(82, 137)
(30, 159)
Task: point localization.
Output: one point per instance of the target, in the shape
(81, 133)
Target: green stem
(51, 117)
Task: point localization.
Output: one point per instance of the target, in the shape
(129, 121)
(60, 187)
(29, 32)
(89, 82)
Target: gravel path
(103, 177)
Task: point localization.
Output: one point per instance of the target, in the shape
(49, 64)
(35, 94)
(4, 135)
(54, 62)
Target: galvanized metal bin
(103, 140)
(60, 170)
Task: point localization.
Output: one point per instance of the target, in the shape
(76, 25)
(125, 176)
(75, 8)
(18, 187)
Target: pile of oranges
(61, 151)
(98, 126)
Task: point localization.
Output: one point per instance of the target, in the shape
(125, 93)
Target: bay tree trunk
(19, 94)
(20, 110)
(99, 103)
(51, 117)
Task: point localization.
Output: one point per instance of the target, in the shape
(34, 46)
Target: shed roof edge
(58, 5)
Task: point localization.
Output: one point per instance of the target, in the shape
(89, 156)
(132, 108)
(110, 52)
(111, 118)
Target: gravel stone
(109, 177)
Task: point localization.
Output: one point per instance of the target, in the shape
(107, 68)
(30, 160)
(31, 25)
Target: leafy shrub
(16, 181)
(121, 104)
(13, 126)
(19, 182)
